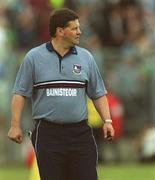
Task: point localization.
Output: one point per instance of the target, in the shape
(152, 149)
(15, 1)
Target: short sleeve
(95, 86)
(24, 79)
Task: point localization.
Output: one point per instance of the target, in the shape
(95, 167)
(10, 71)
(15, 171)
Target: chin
(76, 43)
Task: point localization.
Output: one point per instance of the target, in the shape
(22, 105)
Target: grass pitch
(105, 172)
(127, 172)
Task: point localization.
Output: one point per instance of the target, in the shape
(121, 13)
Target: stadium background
(121, 36)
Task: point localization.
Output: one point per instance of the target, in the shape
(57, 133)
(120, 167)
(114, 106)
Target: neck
(60, 47)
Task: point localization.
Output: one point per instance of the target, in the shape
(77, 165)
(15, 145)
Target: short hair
(60, 18)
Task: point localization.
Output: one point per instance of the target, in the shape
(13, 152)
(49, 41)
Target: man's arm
(101, 105)
(15, 133)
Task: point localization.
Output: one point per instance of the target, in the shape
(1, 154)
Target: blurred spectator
(5, 73)
(26, 27)
(42, 9)
(146, 145)
(94, 44)
(108, 23)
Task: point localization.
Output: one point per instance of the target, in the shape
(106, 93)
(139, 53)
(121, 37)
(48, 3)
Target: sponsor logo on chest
(61, 92)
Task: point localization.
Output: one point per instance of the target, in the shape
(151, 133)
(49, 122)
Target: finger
(113, 133)
(109, 136)
(105, 133)
(19, 139)
(110, 139)
(14, 139)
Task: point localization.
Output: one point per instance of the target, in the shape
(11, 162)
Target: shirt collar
(50, 48)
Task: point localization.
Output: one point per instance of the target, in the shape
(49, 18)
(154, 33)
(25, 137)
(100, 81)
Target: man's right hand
(16, 134)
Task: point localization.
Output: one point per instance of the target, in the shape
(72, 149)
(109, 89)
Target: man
(57, 76)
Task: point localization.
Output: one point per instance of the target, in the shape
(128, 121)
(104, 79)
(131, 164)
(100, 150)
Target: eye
(75, 28)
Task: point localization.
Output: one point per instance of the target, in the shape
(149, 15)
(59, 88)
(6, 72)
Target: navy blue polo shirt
(58, 86)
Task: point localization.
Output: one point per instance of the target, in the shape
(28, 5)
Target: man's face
(72, 33)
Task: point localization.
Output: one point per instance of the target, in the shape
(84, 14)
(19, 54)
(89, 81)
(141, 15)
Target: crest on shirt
(76, 69)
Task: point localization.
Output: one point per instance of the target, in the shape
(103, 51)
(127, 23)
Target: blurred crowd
(119, 33)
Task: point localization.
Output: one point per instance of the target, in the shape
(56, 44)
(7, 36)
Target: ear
(59, 31)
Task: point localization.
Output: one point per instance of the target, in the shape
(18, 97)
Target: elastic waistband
(53, 124)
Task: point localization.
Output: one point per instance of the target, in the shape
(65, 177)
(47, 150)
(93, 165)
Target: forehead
(73, 23)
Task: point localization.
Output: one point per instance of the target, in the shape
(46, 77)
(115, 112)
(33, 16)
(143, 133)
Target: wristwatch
(108, 121)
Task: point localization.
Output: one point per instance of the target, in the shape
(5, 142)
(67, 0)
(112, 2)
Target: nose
(79, 31)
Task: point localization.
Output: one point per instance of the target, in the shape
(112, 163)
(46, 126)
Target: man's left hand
(108, 131)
